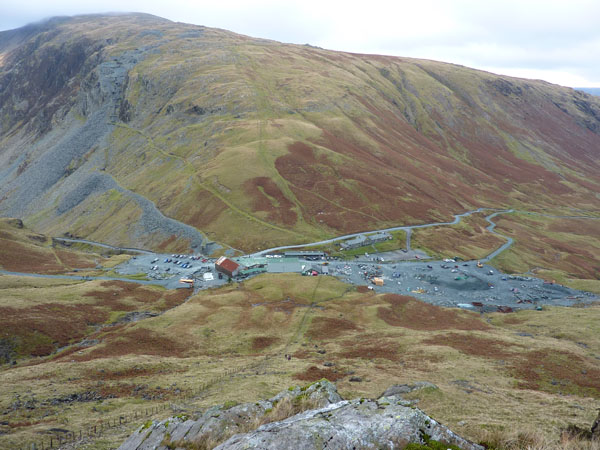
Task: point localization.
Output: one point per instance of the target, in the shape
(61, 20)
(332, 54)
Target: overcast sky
(553, 40)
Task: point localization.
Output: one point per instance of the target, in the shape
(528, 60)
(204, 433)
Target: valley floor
(92, 348)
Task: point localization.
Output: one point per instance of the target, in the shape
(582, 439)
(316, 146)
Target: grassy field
(468, 239)
(226, 345)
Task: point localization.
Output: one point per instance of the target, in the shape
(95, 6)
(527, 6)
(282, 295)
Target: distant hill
(137, 131)
(593, 91)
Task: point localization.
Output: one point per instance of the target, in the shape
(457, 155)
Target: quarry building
(227, 266)
(361, 240)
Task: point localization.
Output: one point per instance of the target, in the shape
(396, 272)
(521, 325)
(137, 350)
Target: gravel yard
(463, 284)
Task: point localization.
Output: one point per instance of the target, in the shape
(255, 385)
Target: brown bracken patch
(174, 298)
(18, 257)
(410, 313)
(558, 371)
(328, 328)
(120, 290)
(121, 390)
(41, 328)
(420, 361)
(139, 341)
(262, 342)
(301, 354)
(75, 260)
(167, 243)
(314, 373)
(130, 372)
(512, 320)
(371, 348)
(268, 197)
(474, 345)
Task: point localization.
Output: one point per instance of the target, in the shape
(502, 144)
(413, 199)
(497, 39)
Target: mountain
(134, 130)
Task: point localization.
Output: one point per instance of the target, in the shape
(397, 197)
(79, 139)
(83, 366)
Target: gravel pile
(60, 149)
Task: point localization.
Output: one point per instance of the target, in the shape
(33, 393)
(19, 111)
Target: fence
(91, 431)
(95, 430)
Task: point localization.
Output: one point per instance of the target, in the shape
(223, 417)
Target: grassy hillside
(469, 239)
(22, 250)
(42, 315)
(257, 143)
(493, 373)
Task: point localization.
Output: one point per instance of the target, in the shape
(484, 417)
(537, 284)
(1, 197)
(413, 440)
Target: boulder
(385, 423)
(399, 389)
(365, 424)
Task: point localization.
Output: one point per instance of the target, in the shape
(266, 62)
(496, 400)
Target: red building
(227, 266)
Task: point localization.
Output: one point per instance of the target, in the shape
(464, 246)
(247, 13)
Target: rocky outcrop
(388, 422)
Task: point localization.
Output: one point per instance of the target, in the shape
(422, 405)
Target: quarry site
(449, 282)
(213, 240)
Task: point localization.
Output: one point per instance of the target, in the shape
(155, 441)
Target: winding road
(406, 228)
(490, 228)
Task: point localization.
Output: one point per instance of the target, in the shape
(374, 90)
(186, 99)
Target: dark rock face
(592, 112)
(7, 350)
(41, 79)
(384, 423)
(125, 111)
(506, 88)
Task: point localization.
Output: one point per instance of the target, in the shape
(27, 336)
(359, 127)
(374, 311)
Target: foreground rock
(327, 421)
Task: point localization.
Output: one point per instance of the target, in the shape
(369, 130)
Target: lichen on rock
(324, 419)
